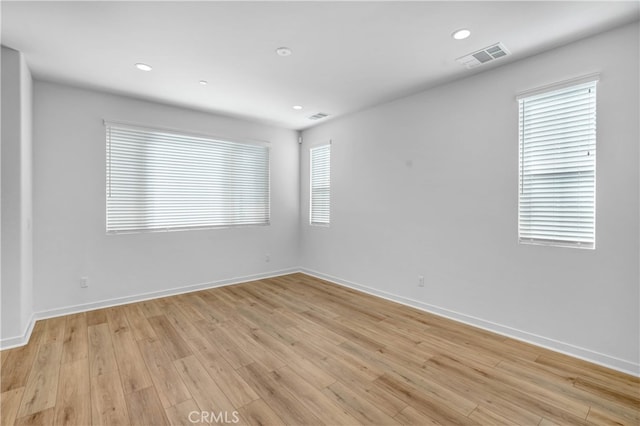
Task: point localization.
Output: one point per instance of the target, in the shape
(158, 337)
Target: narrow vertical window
(320, 185)
(558, 166)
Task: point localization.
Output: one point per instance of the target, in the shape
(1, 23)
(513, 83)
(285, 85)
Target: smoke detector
(483, 56)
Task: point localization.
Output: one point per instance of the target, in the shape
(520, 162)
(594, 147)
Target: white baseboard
(156, 294)
(554, 345)
(12, 342)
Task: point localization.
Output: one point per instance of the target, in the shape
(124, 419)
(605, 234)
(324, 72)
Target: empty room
(320, 213)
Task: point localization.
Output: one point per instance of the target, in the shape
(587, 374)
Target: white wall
(69, 205)
(427, 185)
(26, 189)
(17, 239)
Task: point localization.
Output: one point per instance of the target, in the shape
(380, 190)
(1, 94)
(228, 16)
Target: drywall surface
(26, 190)
(11, 279)
(69, 205)
(17, 241)
(428, 185)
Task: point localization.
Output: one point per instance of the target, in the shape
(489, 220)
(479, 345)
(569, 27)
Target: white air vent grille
(318, 116)
(484, 55)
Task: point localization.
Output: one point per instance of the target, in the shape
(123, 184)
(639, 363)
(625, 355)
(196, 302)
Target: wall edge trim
(585, 354)
(22, 340)
(605, 360)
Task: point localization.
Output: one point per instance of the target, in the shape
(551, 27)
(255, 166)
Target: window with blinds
(320, 185)
(161, 180)
(558, 166)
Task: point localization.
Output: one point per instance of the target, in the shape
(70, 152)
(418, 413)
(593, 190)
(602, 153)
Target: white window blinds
(320, 185)
(558, 166)
(160, 180)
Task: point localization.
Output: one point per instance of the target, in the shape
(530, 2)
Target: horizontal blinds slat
(320, 185)
(159, 180)
(557, 166)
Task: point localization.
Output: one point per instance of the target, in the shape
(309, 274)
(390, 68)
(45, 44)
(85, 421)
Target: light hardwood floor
(296, 350)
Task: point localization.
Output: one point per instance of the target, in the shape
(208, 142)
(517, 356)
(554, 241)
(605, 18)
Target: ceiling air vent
(484, 55)
(318, 116)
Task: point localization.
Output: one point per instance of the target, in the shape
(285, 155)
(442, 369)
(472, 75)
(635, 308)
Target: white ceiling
(346, 55)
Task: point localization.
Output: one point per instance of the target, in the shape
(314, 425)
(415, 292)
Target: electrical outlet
(420, 280)
(267, 258)
(84, 282)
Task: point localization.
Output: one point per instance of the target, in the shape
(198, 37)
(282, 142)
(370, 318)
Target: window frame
(586, 82)
(318, 221)
(220, 143)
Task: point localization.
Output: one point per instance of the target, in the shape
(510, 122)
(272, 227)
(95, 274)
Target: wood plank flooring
(300, 351)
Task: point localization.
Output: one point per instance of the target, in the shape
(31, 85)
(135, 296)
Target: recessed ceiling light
(461, 34)
(297, 107)
(283, 51)
(204, 82)
(143, 67)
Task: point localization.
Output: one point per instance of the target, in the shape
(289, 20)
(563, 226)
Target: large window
(320, 185)
(161, 180)
(558, 166)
